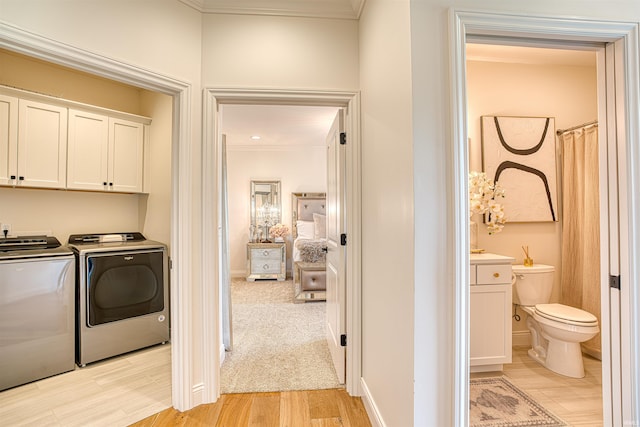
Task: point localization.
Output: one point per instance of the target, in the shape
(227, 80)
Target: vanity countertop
(488, 258)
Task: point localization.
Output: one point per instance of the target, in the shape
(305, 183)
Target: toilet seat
(566, 314)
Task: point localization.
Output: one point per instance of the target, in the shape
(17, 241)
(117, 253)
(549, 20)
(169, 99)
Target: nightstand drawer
(266, 261)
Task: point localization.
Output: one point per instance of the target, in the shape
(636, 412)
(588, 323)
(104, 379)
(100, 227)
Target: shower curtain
(581, 225)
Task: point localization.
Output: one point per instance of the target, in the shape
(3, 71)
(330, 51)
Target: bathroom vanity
(490, 312)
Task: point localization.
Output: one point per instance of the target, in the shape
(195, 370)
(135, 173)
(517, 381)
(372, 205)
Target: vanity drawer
(493, 274)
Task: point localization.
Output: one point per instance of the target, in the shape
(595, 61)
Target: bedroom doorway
(216, 100)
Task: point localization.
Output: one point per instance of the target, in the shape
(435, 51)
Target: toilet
(556, 329)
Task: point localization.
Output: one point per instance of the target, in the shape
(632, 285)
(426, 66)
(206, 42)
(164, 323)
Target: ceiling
(276, 125)
(340, 9)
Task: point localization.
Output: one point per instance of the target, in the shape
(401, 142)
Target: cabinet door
(126, 141)
(490, 324)
(88, 151)
(8, 139)
(42, 145)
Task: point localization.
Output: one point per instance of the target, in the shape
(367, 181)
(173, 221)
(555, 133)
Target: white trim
(579, 31)
(33, 45)
(277, 148)
(212, 98)
(375, 417)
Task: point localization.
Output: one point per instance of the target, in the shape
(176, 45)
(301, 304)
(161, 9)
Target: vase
(473, 235)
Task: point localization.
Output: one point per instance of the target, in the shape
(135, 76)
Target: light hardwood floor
(313, 408)
(137, 386)
(115, 392)
(577, 401)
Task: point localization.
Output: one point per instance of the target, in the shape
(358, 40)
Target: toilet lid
(566, 314)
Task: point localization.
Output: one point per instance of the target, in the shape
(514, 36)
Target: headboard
(304, 205)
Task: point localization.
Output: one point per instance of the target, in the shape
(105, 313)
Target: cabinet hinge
(614, 282)
(170, 264)
(343, 340)
(343, 239)
(343, 138)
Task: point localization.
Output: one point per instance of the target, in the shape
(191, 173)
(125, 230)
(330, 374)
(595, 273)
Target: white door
(336, 240)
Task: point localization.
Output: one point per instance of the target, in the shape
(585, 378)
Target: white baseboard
(370, 406)
(197, 393)
(238, 273)
(521, 339)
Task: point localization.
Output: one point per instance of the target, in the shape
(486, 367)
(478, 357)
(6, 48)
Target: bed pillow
(306, 229)
(320, 226)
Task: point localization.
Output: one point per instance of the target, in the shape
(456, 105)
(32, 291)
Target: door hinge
(614, 282)
(170, 264)
(343, 239)
(343, 138)
(343, 340)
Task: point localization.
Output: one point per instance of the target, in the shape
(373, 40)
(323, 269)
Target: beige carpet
(277, 345)
(495, 402)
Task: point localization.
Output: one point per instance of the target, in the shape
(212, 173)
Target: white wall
(387, 211)
(567, 93)
(298, 169)
(279, 52)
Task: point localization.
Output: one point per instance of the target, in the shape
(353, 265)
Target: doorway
(211, 184)
(272, 152)
(517, 85)
(619, 59)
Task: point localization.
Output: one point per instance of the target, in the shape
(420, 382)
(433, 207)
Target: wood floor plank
(327, 422)
(278, 409)
(352, 410)
(294, 409)
(323, 404)
(235, 411)
(265, 410)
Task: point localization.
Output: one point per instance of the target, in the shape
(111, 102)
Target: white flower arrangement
(279, 230)
(482, 200)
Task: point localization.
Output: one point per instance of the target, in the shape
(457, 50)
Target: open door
(225, 267)
(336, 242)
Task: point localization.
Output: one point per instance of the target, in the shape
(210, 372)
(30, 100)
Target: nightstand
(266, 261)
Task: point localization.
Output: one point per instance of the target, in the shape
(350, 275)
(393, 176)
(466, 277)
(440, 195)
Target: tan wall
(567, 93)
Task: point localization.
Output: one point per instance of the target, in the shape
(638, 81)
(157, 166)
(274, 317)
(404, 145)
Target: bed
(309, 246)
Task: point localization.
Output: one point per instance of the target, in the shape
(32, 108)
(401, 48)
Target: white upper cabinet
(8, 139)
(55, 143)
(126, 141)
(88, 151)
(105, 153)
(33, 143)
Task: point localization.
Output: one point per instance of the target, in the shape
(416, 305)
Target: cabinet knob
(265, 267)
(21, 178)
(265, 253)
(496, 275)
(111, 184)
(12, 177)
(104, 183)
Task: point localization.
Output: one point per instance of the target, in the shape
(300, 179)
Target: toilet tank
(533, 284)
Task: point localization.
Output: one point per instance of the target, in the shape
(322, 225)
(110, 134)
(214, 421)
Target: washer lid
(566, 314)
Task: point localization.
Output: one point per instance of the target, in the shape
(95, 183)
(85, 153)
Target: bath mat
(495, 402)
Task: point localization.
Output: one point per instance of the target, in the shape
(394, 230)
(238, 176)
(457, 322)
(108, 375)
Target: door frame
(181, 253)
(212, 99)
(552, 31)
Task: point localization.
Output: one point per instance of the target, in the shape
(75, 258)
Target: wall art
(519, 153)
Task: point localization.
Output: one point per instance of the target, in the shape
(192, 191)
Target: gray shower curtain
(581, 225)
